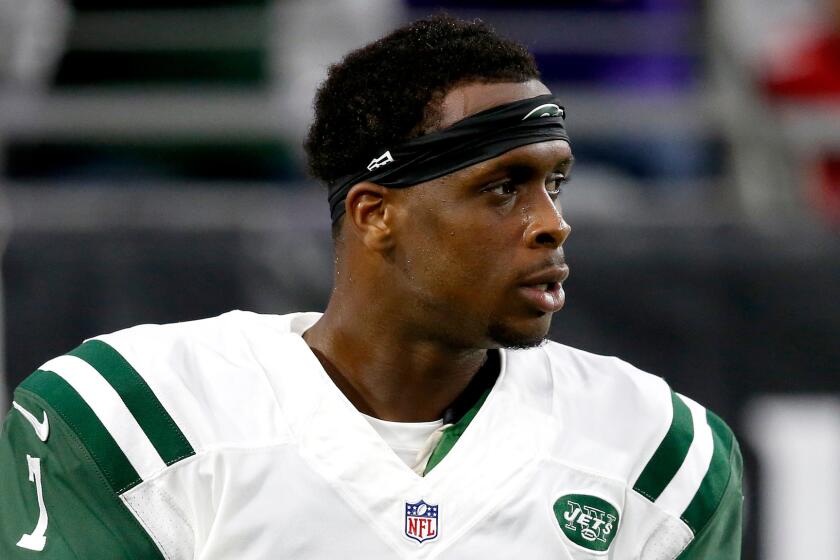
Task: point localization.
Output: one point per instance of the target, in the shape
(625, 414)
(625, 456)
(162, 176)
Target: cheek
(458, 250)
(463, 262)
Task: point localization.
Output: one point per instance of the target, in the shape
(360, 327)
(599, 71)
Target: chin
(529, 335)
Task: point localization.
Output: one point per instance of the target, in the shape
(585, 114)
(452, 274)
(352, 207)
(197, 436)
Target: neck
(384, 367)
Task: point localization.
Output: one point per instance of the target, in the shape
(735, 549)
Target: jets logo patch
(421, 521)
(588, 521)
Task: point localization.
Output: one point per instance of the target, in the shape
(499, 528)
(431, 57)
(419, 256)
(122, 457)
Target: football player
(422, 415)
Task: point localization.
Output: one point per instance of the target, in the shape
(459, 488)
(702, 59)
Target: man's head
(390, 90)
(471, 258)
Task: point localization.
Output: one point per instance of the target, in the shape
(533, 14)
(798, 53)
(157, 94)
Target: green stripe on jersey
(157, 424)
(72, 408)
(711, 490)
(670, 454)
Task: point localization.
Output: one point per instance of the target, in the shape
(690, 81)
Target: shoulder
(226, 334)
(166, 392)
(607, 381)
(612, 415)
(667, 449)
(122, 417)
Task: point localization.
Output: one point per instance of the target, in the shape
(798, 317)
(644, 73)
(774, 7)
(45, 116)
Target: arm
(720, 538)
(60, 476)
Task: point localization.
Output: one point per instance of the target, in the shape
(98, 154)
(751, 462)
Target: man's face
(479, 250)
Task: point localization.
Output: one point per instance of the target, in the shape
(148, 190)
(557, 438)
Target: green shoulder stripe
(67, 403)
(711, 490)
(670, 454)
(157, 424)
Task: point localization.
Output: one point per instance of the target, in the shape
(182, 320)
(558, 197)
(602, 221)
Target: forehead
(468, 99)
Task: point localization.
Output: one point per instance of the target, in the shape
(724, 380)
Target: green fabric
(67, 403)
(453, 433)
(669, 455)
(86, 519)
(720, 538)
(157, 424)
(711, 490)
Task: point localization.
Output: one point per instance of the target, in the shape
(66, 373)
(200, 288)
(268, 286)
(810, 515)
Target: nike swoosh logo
(42, 428)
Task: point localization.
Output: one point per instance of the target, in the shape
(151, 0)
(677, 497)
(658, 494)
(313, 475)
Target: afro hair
(389, 90)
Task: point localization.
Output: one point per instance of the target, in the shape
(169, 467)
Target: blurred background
(151, 171)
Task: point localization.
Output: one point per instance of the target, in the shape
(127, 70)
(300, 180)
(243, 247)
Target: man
(421, 415)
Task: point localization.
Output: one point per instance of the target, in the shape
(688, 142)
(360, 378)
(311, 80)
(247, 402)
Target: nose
(546, 227)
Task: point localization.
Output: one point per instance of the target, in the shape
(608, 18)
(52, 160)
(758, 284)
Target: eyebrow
(564, 164)
(495, 167)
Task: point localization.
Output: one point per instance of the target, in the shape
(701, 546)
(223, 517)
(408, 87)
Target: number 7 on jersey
(36, 539)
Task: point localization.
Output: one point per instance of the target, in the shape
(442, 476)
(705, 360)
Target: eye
(554, 185)
(505, 187)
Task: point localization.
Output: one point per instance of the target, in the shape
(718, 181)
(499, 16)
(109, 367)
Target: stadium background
(151, 171)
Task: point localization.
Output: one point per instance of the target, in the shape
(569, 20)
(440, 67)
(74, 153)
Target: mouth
(544, 290)
(548, 287)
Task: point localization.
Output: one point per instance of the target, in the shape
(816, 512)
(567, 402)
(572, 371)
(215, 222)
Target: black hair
(387, 91)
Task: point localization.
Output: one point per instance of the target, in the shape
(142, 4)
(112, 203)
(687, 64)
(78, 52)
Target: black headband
(477, 138)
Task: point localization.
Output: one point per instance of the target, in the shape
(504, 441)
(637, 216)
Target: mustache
(557, 260)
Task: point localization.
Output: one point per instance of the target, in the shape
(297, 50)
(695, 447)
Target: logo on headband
(547, 110)
(384, 159)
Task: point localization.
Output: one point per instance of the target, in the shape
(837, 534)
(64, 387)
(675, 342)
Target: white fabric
(207, 379)
(285, 467)
(162, 518)
(603, 399)
(406, 439)
(111, 411)
(421, 460)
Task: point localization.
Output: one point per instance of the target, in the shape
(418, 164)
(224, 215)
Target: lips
(555, 274)
(544, 290)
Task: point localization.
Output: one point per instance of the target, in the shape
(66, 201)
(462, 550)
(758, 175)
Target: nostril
(546, 239)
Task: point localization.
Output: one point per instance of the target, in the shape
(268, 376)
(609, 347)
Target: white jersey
(224, 438)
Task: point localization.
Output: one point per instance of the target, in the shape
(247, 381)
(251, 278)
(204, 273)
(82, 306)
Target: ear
(369, 214)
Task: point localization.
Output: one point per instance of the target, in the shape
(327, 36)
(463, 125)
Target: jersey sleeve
(720, 538)
(694, 476)
(82, 431)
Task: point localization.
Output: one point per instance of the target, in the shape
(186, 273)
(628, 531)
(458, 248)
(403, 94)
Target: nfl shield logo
(421, 521)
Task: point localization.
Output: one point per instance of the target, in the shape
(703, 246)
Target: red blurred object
(827, 193)
(811, 72)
